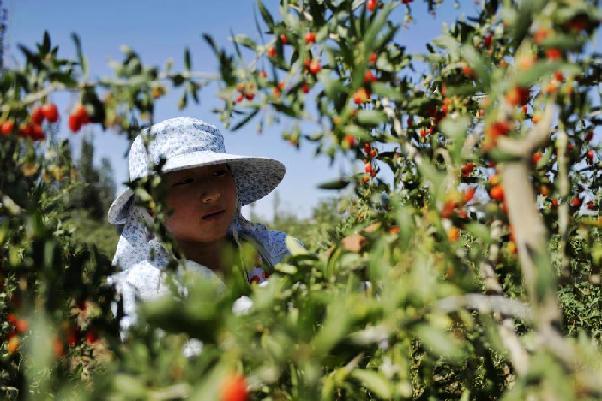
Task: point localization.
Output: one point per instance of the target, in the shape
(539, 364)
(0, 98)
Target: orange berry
(37, 117)
(21, 325)
(368, 167)
(272, 52)
(360, 96)
(498, 128)
(540, 35)
(7, 127)
(350, 140)
(551, 87)
(462, 213)
(310, 37)
(234, 389)
(315, 67)
(536, 157)
(497, 193)
(13, 345)
(558, 76)
(91, 336)
(453, 234)
(488, 40)
(467, 168)
(58, 348)
(82, 113)
(518, 96)
(37, 133)
(369, 77)
(553, 53)
(448, 208)
(12, 318)
(579, 23)
(372, 58)
(575, 202)
(525, 62)
(590, 155)
(469, 194)
(467, 71)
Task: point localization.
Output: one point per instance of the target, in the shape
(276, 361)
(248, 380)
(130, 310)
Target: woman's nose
(210, 197)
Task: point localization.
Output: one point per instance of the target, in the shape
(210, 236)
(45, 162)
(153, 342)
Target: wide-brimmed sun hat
(186, 143)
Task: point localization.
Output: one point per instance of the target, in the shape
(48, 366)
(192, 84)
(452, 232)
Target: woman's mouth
(213, 215)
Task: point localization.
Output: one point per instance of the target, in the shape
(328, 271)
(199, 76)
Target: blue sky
(158, 30)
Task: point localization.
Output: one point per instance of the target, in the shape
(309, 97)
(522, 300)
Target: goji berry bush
(466, 264)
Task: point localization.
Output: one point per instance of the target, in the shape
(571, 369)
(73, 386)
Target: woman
(206, 188)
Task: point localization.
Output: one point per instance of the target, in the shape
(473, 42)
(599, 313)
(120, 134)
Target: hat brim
(255, 177)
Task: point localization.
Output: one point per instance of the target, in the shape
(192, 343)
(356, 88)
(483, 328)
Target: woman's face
(203, 200)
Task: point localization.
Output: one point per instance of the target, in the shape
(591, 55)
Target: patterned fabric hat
(186, 143)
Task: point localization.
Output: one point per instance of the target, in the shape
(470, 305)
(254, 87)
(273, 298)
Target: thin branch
(538, 135)
(487, 304)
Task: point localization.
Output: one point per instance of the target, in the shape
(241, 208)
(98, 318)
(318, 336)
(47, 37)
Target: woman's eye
(186, 181)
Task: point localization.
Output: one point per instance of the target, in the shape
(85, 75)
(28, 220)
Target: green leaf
(373, 381)
(371, 117)
(80, 55)
(455, 128)
(225, 62)
(562, 41)
(286, 268)
(187, 62)
(335, 185)
(476, 62)
(294, 246)
(439, 342)
(539, 70)
(245, 120)
(267, 17)
(46, 43)
(384, 89)
(245, 41)
(480, 231)
(332, 87)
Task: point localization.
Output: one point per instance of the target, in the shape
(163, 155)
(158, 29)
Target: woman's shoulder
(274, 241)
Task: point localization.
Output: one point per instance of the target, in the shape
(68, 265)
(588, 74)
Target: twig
(486, 304)
(538, 135)
(563, 191)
